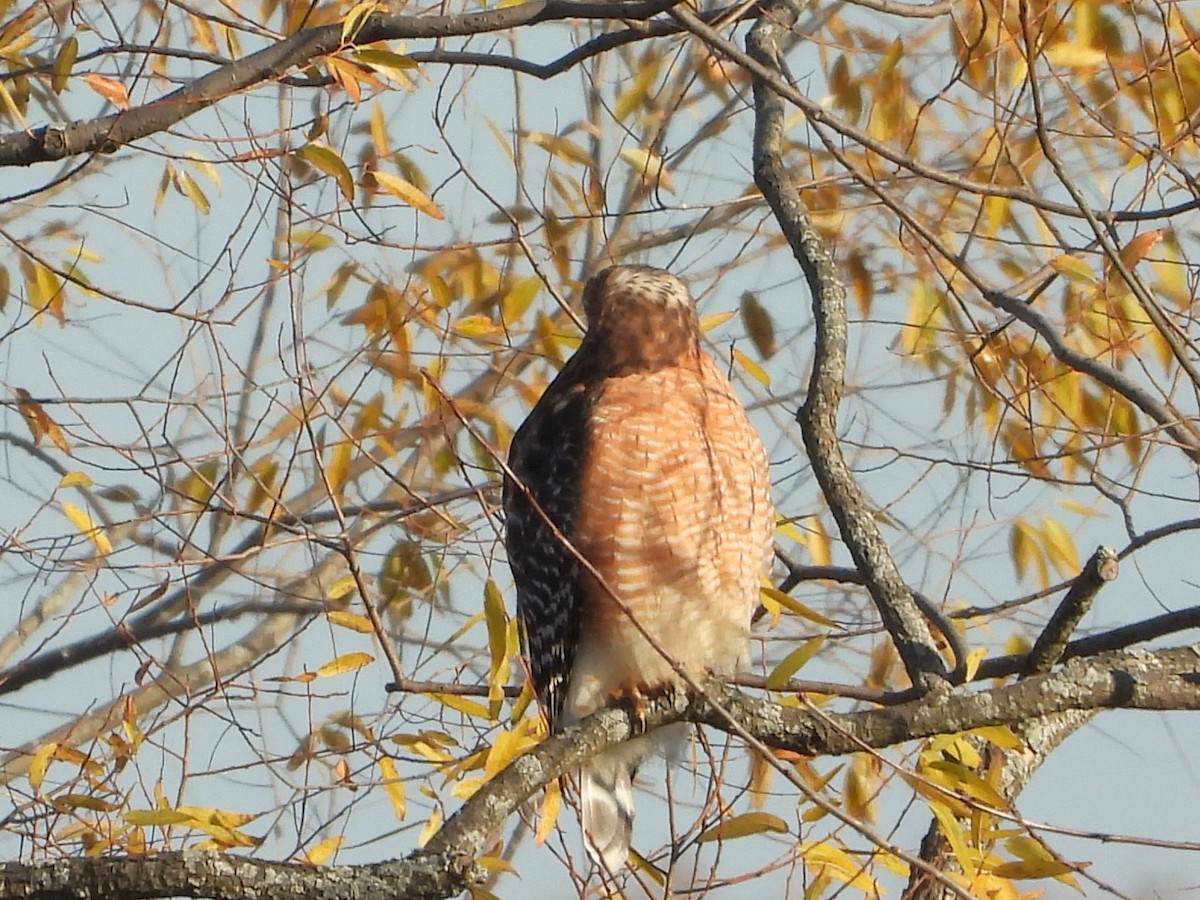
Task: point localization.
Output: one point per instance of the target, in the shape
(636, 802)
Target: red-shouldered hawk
(641, 455)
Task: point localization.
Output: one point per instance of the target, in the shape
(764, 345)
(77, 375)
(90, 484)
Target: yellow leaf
(81, 520)
(495, 864)
(923, 321)
(324, 158)
(1060, 547)
(108, 88)
(757, 372)
(155, 817)
(817, 541)
(75, 479)
(39, 765)
(394, 787)
(308, 240)
(794, 606)
(394, 65)
(85, 801)
(188, 187)
(408, 193)
(562, 147)
(519, 298)
(341, 588)
(716, 320)
(762, 769)
(430, 829)
(649, 165)
(743, 826)
(355, 18)
(1073, 268)
(771, 605)
(379, 130)
(634, 97)
(477, 327)
(349, 662)
(862, 786)
(793, 662)
(954, 834)
(64, 61)
(466, 789)
(322, 852)
(825, 857)
(464, 705)
(350, 620)
(1027, 848)
(339, 467)
(11, 107)
(507, 747)
(1000, 735)
(497, 624)
(1070, 55)
(263, 474)
(1042, 868)
(971, 663)
(209, 170)
(210, 816)
(1027, 552)
(957, 777)
(551, 804)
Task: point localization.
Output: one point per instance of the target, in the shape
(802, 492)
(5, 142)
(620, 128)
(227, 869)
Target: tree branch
(818, 415)
(1052, 642)
(106, 134)
(1163, 680)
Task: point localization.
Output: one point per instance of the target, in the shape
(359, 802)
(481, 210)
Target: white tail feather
(606, 803)
(606, 794)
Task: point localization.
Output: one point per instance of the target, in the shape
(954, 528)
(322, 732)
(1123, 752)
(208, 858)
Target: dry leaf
(108, 88)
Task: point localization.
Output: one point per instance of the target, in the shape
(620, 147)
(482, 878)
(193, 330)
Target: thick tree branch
(1163, 680)
(105, 134)
(193, 873)
(818, 416)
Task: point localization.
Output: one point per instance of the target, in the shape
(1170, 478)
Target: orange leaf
(108, 88)
(1133, 252)
(39, 422)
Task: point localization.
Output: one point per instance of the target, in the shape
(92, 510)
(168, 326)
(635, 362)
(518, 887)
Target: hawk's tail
(606, 794)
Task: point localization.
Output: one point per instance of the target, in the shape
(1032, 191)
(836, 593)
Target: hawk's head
(639, 319)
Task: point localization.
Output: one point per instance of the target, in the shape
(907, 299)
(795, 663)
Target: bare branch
(818, 415)
(1052, 642)
(106, 134)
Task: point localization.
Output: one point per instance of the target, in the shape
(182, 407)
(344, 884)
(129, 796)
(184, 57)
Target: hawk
(640, 459)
